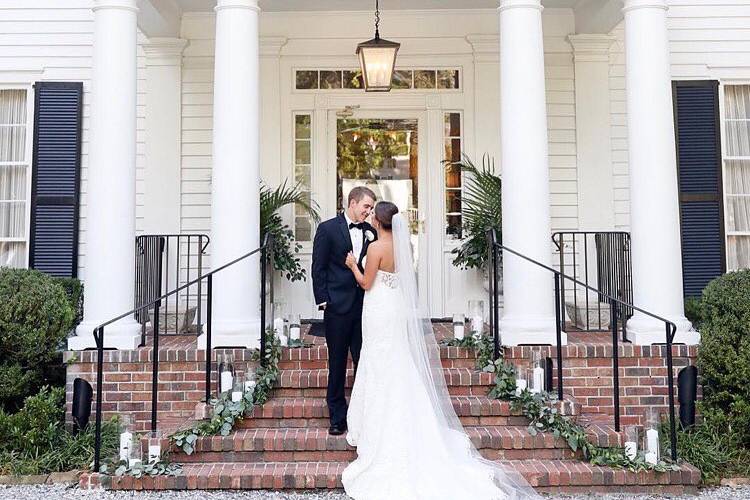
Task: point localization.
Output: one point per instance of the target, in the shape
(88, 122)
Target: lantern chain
(377, 19)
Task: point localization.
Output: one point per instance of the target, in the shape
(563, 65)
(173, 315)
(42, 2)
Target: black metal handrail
(615, 304)
(266, 251)
(612, 267)
(153, 273)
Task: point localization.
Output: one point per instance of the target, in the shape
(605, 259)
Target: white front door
(385, 151)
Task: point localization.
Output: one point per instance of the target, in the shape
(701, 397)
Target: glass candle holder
(294, 327)
(459, 322)
(537, 373)
(476, 317)
(152, 447)
(521, 380)
(250, 380)
(631, 441)
(126, 437)
(226, 372)
(238, 388)
(651, 437)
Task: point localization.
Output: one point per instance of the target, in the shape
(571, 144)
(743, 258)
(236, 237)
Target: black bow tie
(360, 225)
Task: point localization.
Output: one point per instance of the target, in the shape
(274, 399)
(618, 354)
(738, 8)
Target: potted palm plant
(285, 246)
(481, 211)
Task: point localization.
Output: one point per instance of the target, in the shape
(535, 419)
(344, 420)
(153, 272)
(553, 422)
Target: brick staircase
(285, 445)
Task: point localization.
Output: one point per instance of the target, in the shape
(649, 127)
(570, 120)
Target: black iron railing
(266, 285)
(615, 305)
(600, 259)
(164, 262)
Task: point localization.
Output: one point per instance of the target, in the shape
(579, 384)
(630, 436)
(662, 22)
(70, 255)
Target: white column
(654, 206)
(110, 191)
(161, 197)
(529, 313)
(235, 203)
(596, 211)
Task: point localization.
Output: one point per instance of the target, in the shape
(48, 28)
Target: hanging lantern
(377, 58)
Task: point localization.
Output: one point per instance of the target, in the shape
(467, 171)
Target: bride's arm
(371, 267)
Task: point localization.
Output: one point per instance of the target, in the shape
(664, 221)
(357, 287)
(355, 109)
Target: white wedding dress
(410, 444)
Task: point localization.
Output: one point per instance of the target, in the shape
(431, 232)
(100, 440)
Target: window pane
(302, 175)
(453, 230)
(302, 152)
(453, 176)
(737, 101)
(453, 201)
(402, 79)
(302, 127)
(13, 143)
(737, 138)
(303, 229)
(737, 176)
(738, 252)
(330, 79)
(12, 219)
(447, 78)
(738, 213)
(452, 125)
(299, 209)
(12, 254)
(307, 80)
(353, 80)
(13, 107)
(424, 79)
(13, 182)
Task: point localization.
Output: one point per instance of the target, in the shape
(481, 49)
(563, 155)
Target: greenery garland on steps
(544, 416)
(225, 412)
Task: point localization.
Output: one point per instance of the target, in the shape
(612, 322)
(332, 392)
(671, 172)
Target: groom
(339, 296)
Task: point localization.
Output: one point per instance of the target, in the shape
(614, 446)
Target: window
(303, 173)
(736, 156)
(453, 176)
(403, 79)
(15, 178)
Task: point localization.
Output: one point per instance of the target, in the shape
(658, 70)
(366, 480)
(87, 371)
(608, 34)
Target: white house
(172, 111)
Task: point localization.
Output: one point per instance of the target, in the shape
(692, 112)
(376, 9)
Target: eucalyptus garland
(225, 413)
(139, 469)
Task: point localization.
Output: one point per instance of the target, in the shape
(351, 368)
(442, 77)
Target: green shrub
(693, 311)
(74, 290)
(35, 318)
(724, 354)
(34, 439)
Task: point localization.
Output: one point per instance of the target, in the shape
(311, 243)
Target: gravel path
(60, 492)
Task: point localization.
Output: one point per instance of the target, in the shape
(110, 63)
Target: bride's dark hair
(384, 212)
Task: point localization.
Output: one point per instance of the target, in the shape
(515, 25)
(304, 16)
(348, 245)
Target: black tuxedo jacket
(333, 282)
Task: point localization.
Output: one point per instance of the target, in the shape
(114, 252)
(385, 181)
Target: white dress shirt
(357, 237)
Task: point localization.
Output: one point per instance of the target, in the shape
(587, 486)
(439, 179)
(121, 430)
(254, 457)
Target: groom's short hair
(359, 192)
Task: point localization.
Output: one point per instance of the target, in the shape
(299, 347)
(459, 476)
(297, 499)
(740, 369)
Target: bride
(410, 443)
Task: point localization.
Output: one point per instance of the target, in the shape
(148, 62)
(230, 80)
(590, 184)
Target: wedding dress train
(410, 444)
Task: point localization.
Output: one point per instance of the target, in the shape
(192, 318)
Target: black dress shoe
(337, 429)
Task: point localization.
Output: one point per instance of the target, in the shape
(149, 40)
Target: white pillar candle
(154, 452)
(520, 386)
(226, 381)
(249, 386)
(294, 332)
(133, 462)
(538, 382)
(477, 325)
(126, 442)
(651, 458)
(458, 331)
(631, 449)
(652, 441)
(236, 396)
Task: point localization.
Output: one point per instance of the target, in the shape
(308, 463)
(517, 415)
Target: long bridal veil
(425, 353)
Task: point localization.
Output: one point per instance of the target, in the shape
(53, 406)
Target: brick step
(307, 445)
(318, 378)
(316, 357)
(553, 476)
(313, 412)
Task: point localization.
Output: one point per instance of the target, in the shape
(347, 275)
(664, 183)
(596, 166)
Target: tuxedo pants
(343, 336)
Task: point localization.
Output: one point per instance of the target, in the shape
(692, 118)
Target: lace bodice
(388, 279)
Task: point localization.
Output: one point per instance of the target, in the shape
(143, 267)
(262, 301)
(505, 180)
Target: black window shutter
(696, 110)
(58, 108)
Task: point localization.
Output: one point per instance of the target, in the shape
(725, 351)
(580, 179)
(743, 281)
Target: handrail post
(210, 295)
(155, 368)
(99, 338)
(263, 264)
(670, 382)
(615, 364)
(558, 331)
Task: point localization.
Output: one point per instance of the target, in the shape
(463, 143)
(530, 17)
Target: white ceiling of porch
(351, 5)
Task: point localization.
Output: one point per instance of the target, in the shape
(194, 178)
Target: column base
(123, 335)
(242, 334)
(528, 331)
(647, 331)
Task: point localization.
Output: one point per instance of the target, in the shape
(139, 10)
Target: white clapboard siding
(54, 38)
(708, 38)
